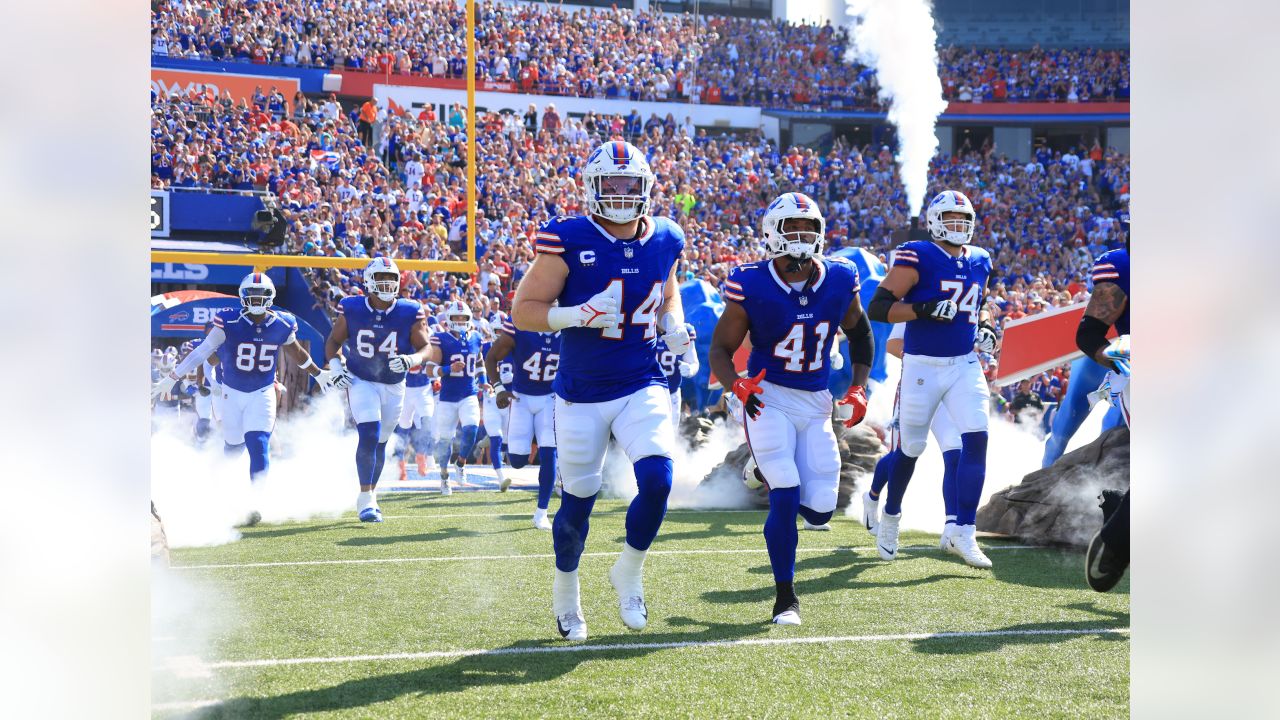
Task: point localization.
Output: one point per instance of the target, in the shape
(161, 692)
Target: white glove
(163, 386)
(339, 378)
(601, 312)
(1118, 353)
(675, 335)
(837, 357)
(986, 341)
(688, 369)
(505, 375)
(944, 310)
(401, 363)
(325, 380)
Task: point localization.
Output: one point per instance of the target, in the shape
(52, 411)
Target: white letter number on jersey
(791, 348)
(971, 297)
(646, 313)
(366, 349)
(540, 371)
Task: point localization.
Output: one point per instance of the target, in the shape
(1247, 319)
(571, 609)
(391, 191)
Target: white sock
(564, 592)
(631, 562)
(364, 500)
(539, 514)
(499, 472)
(373, 499)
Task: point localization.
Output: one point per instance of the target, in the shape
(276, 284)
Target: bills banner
(1036, 343)
(160, 213)
(167, 81)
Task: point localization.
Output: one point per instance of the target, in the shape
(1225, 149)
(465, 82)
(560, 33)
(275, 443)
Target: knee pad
(517, 461)
(233, 450)
(368, 433)
(582, 486)
(915, 448)
(653, 476)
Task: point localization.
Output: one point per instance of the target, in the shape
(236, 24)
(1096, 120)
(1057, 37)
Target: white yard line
(543, 556)
(742, 642)
(430, 516)
(185, 705)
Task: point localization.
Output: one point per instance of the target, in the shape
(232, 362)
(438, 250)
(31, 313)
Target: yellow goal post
(469, 265)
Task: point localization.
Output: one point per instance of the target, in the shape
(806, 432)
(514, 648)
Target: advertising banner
(1036, 343)
(169, 81)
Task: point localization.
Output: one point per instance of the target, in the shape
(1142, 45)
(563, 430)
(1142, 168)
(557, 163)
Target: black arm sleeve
(1091, 335)
(862, 345)
(878, 308)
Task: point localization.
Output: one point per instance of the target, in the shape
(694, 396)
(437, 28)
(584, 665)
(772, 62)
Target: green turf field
(457, 623)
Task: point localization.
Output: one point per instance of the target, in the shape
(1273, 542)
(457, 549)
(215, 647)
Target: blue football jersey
(534, 360)
(1113, 266)
(375, 336)
(963, 279)
(599, 365)
(670, 361)
(792, 330)
(248, 356)
(454, 387)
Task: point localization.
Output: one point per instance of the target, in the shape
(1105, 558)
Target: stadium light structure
(262, 261)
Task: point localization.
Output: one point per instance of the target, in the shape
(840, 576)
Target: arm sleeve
(212, 342)
(862, 345)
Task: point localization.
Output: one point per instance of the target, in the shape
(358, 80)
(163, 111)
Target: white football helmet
(799, 244)
(617, 200)
(257, 292)
(157, 355)
(169, 360)
(956, 232)
(385, 288)
(457, 317)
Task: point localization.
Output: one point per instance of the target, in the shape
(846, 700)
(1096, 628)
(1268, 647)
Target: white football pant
(675, 409)
(943, 428)
(449, 415)
(531, 416)
(957, 384)
(419, 405)
(641, 422)
(495, 418)
(376, 402)
(246, 412)
(793, 444)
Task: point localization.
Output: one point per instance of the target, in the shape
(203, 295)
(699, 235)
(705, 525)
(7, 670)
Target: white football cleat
(540, 520)
(820, 528)
(962, 540)
(870, 512)
(444, 485)
(572, 626)
(631, 607)
(887, 536)
(787, 617)
(503, 481)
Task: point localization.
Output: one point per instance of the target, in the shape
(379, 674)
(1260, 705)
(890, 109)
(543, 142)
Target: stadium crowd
(609, 53)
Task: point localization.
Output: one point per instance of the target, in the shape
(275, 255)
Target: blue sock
(518, 461)
(379, 461)
(780, 534)
(495, 451)
(468, 443)
(900, 471)
(259, 459)
(422, 442)
(569, 530)
(366, 450)
(402, 442)
(444, 446)
(950, 488)
(813, 517)
(970, 476)
(644, 517)
(880, 477)
(232, 451)
(546, 474)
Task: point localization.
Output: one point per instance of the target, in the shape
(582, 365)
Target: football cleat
(253, 518)
(572, 626)
(444, 484)
(786, 609)
(504, 482)
(887, 536)
(422, 463)
(820, 528)
(371, 515)
(462, 473)
(631, 607)
(404, 472)
(1103, 565)
(540, 520)
(961, 540)
(870, 512)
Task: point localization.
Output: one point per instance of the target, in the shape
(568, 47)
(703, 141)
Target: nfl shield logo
(804, 300)
(628, 252)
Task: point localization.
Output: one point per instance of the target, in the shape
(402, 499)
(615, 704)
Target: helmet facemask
(385, 285)
(798, 238)
(619, 197)
(955, 230)
(255, 300)
(459, 323)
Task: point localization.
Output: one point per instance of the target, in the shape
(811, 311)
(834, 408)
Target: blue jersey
(599, 365)
(1113, 266)
(792, 329)
(670, 361)
(375, 336)
(454, 387)
(504, 365)
(534, 360)
(962, 279)
(248, 355)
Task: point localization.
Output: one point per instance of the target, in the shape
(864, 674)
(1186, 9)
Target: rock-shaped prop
(860, 448)
(1058, 505)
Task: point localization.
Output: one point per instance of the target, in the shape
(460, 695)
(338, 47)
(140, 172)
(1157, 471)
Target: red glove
(748, 391)
(857, 399)
(435, 385)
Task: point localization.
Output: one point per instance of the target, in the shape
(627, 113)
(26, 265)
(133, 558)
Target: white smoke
(202, 495)
(897, 38)
(690, 466)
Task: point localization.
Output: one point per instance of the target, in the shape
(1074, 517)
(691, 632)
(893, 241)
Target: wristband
(499, 388)
(559, 318)
(308, 364)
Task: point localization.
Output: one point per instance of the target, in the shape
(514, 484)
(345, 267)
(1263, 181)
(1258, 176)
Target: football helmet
(799, 244)
(157, 355)
(257, 292)
(457, 317)
(955, 231)
(385, 288)
(617, 181)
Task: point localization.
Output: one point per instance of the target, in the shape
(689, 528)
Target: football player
(1108, 555)
(382, 337)
(791, 303)
(613, 275)
(248, 342)
(459, 346)
(535, 357)
(414, 428)
(495, 418)
(937, 288)
(676, 368)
